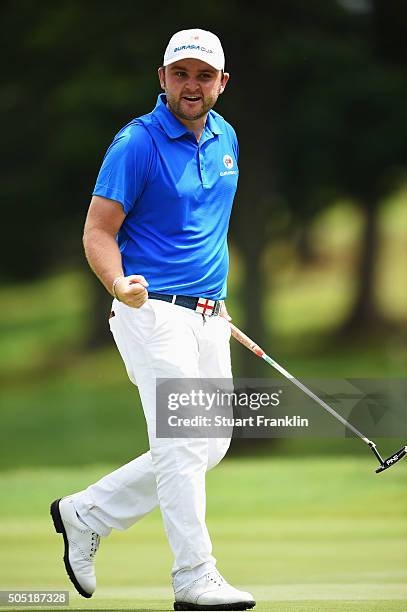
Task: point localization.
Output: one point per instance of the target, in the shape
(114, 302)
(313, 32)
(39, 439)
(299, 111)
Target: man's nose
(192, 85)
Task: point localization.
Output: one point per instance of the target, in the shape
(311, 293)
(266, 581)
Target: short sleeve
(237, 148)
(235, 143)
(126, 166)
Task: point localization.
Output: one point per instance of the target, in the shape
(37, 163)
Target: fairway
(301, 533)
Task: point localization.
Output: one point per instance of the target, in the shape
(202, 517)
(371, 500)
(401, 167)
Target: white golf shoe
(212, 592)
(81, 544)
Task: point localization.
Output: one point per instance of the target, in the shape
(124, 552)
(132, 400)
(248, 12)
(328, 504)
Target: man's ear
(225, 79)
(161, 76)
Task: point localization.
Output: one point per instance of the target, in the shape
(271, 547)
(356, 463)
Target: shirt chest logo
(228, 161)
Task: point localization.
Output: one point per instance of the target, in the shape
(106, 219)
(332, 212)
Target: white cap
(196, 44)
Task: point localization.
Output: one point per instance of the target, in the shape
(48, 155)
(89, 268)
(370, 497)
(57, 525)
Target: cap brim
(191, 55)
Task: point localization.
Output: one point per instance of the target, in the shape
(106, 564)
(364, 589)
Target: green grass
(301, 533)
(42, 322)
(67, 416)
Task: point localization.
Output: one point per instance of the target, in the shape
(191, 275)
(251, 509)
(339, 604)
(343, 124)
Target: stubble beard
(174, 105)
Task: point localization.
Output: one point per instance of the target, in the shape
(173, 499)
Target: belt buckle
(216, 310)
(207, 307)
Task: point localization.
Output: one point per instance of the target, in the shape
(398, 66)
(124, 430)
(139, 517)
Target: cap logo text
(195, 47)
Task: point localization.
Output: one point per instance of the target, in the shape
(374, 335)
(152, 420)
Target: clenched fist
(132, 290)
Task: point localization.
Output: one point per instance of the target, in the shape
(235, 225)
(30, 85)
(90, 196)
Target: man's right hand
(132, 290)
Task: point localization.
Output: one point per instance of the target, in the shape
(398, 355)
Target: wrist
(116, 280)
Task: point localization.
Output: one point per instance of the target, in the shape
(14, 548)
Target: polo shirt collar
(213, 124)
(174, 128)
(170, 124)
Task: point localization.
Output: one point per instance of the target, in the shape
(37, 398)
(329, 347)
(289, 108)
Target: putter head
(392, 460)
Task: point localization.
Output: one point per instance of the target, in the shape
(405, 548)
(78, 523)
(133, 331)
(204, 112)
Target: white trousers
(162, 340)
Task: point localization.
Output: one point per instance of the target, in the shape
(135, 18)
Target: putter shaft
(257, 350)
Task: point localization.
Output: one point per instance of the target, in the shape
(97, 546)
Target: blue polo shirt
(177, 195)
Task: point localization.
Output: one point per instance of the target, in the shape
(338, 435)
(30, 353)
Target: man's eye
(180, 74)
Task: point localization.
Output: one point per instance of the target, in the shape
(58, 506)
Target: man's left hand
(224, 313)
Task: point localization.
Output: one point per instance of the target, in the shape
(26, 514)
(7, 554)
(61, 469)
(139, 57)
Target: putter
(255, 348)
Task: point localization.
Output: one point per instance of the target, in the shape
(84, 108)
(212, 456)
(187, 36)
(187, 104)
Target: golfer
(156, 236)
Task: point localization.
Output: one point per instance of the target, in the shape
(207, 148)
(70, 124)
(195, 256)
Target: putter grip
(246, 341)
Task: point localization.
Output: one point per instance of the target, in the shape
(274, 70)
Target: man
(155, 235)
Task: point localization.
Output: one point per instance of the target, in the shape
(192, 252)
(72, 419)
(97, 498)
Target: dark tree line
(317, 96)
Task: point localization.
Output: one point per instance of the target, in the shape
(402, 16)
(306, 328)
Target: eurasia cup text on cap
(195, 44)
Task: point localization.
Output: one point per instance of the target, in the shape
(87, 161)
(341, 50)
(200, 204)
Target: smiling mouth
(192, 98)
